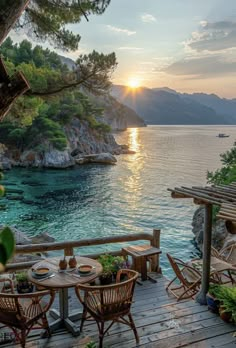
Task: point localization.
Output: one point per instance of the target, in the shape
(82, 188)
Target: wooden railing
(68, 247)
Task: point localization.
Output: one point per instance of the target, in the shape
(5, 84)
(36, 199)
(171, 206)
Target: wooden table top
(141, 250)
(65, 279)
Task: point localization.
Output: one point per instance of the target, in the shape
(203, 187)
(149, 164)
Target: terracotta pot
(226, 316)
(230, 226)
(72, 262)
(63, 264)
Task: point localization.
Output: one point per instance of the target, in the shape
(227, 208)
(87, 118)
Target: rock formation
(81, 142)
(220, 234)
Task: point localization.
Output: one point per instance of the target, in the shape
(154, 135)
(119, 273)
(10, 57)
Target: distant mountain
(116, 114)
(70, 63)
(220, 105)
(166, 106)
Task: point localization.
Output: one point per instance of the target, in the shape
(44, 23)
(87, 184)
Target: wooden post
(69, 251)
(201, 297)
(156, 243)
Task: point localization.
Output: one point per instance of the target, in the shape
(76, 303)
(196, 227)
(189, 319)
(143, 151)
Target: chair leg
(101, 334)
(23, 338)
(83, 319)
(133, 327)
(46, 325)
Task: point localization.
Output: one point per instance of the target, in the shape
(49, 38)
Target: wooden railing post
(156, 243)
(69, 251)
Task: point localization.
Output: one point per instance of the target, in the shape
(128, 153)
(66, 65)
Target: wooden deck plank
(161, 322)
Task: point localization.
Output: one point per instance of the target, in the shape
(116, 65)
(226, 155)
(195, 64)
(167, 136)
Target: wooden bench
(142, 254)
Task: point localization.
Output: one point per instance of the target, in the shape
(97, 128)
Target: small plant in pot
(23, 285)
(108, 269)
(106, 277)
(228, 304)
(120, 262)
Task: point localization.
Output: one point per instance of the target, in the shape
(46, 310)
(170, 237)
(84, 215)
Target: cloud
(212, 37)
(130, 48)
(120, 30)
(203, 67)
(148, 18)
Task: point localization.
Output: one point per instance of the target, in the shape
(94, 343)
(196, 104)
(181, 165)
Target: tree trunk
(9, 13)
(10, 88)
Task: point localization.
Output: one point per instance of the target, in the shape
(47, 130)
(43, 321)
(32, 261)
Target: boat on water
(222, 135)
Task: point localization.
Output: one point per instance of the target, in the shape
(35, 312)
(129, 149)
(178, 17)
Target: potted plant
(107, 262)
(213, 296)
(23, 285)
(120, 262)
(227, 308)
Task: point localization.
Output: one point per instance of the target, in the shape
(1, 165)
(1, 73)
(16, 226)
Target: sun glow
(134, 83)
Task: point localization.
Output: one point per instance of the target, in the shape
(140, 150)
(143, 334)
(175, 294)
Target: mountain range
(166, 106)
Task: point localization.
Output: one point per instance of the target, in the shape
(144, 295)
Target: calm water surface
(130, 197)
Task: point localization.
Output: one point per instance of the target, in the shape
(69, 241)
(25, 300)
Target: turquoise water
(130, 197)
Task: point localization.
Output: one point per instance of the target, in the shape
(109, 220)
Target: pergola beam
(223, 196)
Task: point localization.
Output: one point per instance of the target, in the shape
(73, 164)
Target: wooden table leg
(143, 268)
(62, 317)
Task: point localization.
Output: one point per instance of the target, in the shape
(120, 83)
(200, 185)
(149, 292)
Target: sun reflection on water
(133, 138)
(133, 186)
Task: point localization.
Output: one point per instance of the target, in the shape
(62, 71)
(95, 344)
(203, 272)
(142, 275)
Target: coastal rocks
(22, 239)
(58, 159)
(219, 231)
(5, 163)
(103, 158)
(42, 237)
(49, 159)
(82, 141)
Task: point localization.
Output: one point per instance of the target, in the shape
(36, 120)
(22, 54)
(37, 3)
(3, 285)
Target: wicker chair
(188, 277)
(6, 283)
(21, 312)
(109, 303)
(229, 254)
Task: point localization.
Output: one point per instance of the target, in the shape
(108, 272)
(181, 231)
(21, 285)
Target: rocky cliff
(117, 115)
(220, 234)
(81, 141)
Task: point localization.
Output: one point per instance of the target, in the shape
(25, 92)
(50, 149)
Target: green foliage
(7, 246)
(224, 175)
(37, 123)
(107, 262)
(227, 297)
(91, 344)
(21, 277)
(111, 264)
(227, 173)
(47, 20)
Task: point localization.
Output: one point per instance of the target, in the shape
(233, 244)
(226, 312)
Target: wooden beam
(198, 201)
(67, 245)
(178, 195)
(192, 194)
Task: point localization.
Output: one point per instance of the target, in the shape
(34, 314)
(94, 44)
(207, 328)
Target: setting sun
(134, 83)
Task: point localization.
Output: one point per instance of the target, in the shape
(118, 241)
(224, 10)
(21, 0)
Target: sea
(130, 197)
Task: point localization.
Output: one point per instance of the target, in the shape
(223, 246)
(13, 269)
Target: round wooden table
(63, 281)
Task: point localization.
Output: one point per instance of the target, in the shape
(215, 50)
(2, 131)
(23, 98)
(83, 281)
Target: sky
(187, 45)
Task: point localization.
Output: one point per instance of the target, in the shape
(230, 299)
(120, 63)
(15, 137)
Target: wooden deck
(161, 322)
